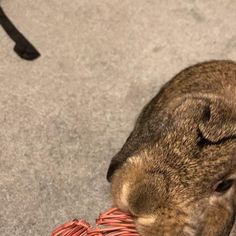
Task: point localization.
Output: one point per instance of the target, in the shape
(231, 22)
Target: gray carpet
(66, 114)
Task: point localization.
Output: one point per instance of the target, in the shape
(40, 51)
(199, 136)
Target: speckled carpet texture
(64, 115)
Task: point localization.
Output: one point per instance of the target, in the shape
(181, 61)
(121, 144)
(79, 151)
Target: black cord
(22, 46)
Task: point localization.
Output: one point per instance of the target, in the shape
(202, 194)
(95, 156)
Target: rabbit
(176, 172)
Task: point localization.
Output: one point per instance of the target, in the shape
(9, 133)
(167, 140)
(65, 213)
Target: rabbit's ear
(218, 122)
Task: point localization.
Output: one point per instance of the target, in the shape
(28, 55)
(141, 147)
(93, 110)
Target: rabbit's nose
(147, 197)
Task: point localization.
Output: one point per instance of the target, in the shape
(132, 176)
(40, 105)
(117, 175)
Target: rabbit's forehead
(202, 172)
(182, 175)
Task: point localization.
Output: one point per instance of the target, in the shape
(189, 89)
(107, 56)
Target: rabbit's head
(177, 171)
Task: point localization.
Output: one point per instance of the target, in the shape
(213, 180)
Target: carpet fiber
(64, 115)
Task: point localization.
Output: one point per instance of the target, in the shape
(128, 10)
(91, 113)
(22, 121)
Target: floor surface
(63, 116)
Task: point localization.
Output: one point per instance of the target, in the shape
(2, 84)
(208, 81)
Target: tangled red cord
(111, 223)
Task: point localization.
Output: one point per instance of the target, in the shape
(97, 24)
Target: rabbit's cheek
(218, 222)
(220, 215)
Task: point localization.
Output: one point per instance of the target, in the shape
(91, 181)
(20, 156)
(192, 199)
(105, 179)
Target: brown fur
(182, 145)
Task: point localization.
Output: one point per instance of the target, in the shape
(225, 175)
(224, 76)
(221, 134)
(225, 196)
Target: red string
(111, 223)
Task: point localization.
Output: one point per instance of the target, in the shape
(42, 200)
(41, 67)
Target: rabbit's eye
(224, 186)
